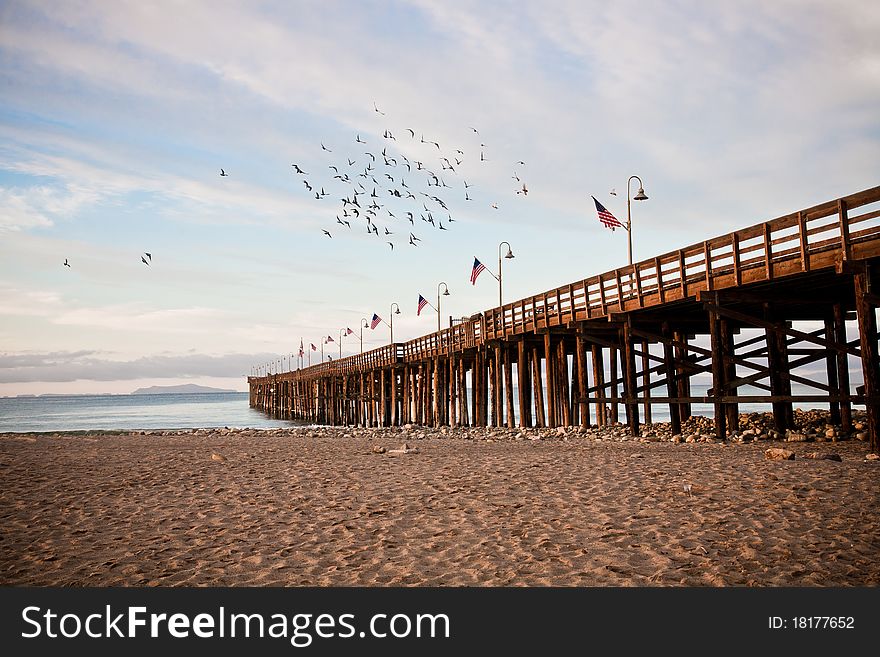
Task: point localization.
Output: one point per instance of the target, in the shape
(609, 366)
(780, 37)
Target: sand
(323, 507)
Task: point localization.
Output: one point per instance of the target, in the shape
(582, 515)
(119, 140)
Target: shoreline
(322, 506)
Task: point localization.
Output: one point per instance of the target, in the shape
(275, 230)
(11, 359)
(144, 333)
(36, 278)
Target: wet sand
(325, 507)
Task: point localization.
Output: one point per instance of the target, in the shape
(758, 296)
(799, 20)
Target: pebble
(218, 457)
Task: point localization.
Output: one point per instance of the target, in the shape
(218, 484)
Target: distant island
(170, 390)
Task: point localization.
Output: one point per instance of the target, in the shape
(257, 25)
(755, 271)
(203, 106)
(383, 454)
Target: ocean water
(203, 410)
(115, 412)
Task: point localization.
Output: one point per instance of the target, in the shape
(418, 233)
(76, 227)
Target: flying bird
(359, 140)
(327, 233)
(475, 130)
(523, 191)
(495, 206)
(612, 192)
(149, 256)
(377, 109)
(411, 241)
(66, 264)
(391, 245)
(296, 167)
(412, 133)
(308, 186)
(144, 260)
(325, 148)
(223, 173)
(388, 232)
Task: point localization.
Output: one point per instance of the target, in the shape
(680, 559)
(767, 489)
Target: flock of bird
(383, 187)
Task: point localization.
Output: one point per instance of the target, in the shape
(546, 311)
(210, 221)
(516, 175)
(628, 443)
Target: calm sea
(197, 410)
(163, 411)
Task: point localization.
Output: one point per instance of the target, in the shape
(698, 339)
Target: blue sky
(116, 117)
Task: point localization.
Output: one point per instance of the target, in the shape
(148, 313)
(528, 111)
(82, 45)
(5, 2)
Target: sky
(116, 119)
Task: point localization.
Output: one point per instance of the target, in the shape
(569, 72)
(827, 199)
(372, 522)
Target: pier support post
(522, 375)
(599, 384)
(671, 383)
(718, 387)
(868, 348)
(540, 420)
(630, 382)
(842, 369)
(728, 347)
(615, 388)
(583, 404)
(550, 376)
(683, 375)
(508, 388)
(646, 379)
(777, 361)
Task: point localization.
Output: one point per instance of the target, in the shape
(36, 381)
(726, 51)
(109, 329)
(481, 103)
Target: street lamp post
(445, 294)
(364, 324)
(508, 256)
(640, 196)
(395, 310)
(340, 342)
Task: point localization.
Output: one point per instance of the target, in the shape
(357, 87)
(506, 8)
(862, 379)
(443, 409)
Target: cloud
(59, 367)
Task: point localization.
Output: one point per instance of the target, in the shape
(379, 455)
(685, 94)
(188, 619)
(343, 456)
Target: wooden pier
(764, 307)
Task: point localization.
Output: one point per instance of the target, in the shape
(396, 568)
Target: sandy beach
(483, 507)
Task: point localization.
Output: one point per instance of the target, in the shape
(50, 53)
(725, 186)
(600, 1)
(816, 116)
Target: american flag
(422, 303)
(329, 339)
(607, 219)
(476, 271)
(375, 322)
(301, 351)
(348, 331)
(314, 348)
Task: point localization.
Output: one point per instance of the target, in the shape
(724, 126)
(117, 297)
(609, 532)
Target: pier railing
(823, 236)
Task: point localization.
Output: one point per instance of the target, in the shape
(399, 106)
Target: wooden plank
(768, 253)
(682, 273)
(804, 244)
(638, 278)
(845, 244)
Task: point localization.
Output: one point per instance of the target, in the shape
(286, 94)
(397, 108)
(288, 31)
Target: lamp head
(446, 292)
(509, 255)
(397, 311)
(640, 195)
